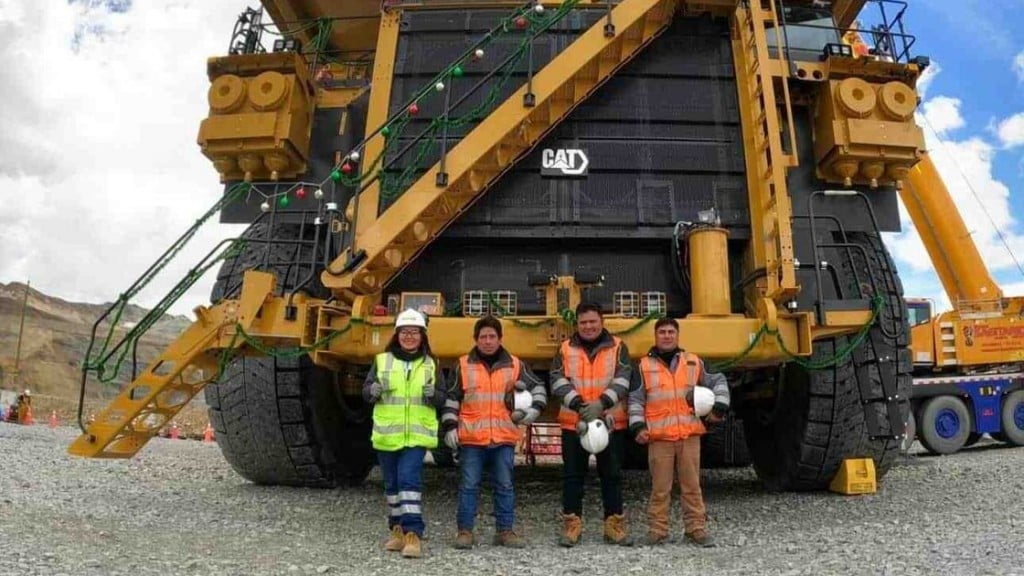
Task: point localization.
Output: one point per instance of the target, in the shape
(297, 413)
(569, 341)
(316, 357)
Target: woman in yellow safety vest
(402, 387)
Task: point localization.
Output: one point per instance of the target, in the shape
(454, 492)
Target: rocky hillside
(56, 337)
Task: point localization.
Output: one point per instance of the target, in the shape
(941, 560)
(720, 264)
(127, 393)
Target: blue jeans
(499, 460)
(403, 487)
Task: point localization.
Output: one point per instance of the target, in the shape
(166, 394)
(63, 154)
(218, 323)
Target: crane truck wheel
(284, 420)
(799, 438)
(1013, 418)
(945, 424)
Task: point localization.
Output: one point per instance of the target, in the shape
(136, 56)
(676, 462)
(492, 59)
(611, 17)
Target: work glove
(643, 437)
(591, 411)
(376, 391)
(451, 439)
(525, 417)
(429, 390)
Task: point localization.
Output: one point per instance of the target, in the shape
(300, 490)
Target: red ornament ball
(300, 193)
(414, 109)
(346, 168)
(521, 22)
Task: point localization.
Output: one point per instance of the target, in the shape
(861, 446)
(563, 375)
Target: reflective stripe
(392, 498)
(620, 381)
(451, 404)
(389, 400)
(395, 511)
(484, 397)
(569, 397)
(674, 419)
(410, 495)
(483, 425)
(411, 509)
(661, 395)
(400, 429)
(612, 395)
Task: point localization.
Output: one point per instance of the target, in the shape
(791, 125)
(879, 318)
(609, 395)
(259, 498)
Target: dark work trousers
(609, 469)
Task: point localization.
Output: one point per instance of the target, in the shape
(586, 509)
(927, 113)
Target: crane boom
(957, 261)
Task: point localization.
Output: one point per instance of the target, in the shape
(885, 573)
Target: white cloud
(1011, 130)
(943, 114)
(1018, 65)
(99, 170)
(982, 200)
(926, 79)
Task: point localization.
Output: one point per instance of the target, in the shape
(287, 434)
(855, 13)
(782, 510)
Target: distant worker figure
(402, 386)
(24, 410)
(480, 420)
(590, 377)
(664, 414)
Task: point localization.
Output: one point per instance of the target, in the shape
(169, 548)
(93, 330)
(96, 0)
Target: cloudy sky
(102, 99)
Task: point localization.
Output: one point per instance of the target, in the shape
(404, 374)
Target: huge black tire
(284, 420)
(817, 419)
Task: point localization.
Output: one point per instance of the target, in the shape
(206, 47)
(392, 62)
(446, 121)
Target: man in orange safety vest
(662, 416)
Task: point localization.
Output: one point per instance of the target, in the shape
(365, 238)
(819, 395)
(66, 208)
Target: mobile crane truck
(728, 163)
(968, 361)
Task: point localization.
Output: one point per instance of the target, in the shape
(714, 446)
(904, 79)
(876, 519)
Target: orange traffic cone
(53, 419)
(174, 431)
(208, 433)
(29, 420)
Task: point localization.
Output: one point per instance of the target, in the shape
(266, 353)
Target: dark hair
(394, 345)
(666, 321)
(487, 322)
(584, 307)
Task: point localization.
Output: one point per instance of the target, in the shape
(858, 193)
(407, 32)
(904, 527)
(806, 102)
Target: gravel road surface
(179, 509)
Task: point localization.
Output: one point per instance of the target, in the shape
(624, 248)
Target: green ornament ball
(283, 202)
(457, 71)
(336, 175)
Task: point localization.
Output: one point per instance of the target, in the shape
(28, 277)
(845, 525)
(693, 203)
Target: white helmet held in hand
(703, 401)
(411, 317)
(595, 437)
(522, 400)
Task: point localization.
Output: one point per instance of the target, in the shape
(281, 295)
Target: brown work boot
(615, 530)
(464, 540)
(701, 538)
(508, 539)
(396, 540)
(412, 548)
(655, 539)
(572, 529)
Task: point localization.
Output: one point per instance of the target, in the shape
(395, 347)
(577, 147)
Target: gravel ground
(179, 509)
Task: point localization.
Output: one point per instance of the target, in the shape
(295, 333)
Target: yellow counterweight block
(865, 132)
(261, 110)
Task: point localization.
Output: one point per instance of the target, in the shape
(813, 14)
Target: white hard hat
(595, 437)
(411, 317)
(27, 393)
(703, 401)
(523, 400)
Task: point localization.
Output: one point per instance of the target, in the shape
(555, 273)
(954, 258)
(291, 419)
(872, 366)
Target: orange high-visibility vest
(669, 416)
(483, 417)
(591, 379)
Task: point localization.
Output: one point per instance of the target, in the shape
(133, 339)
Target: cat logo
(563, 162)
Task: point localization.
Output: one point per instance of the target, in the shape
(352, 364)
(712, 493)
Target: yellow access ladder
(756, 71)
(423, 211)
(181, 371)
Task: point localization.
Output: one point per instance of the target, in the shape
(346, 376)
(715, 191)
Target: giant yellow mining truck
(728, 163)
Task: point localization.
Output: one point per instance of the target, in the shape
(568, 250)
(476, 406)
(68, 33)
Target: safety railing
(807, 32)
